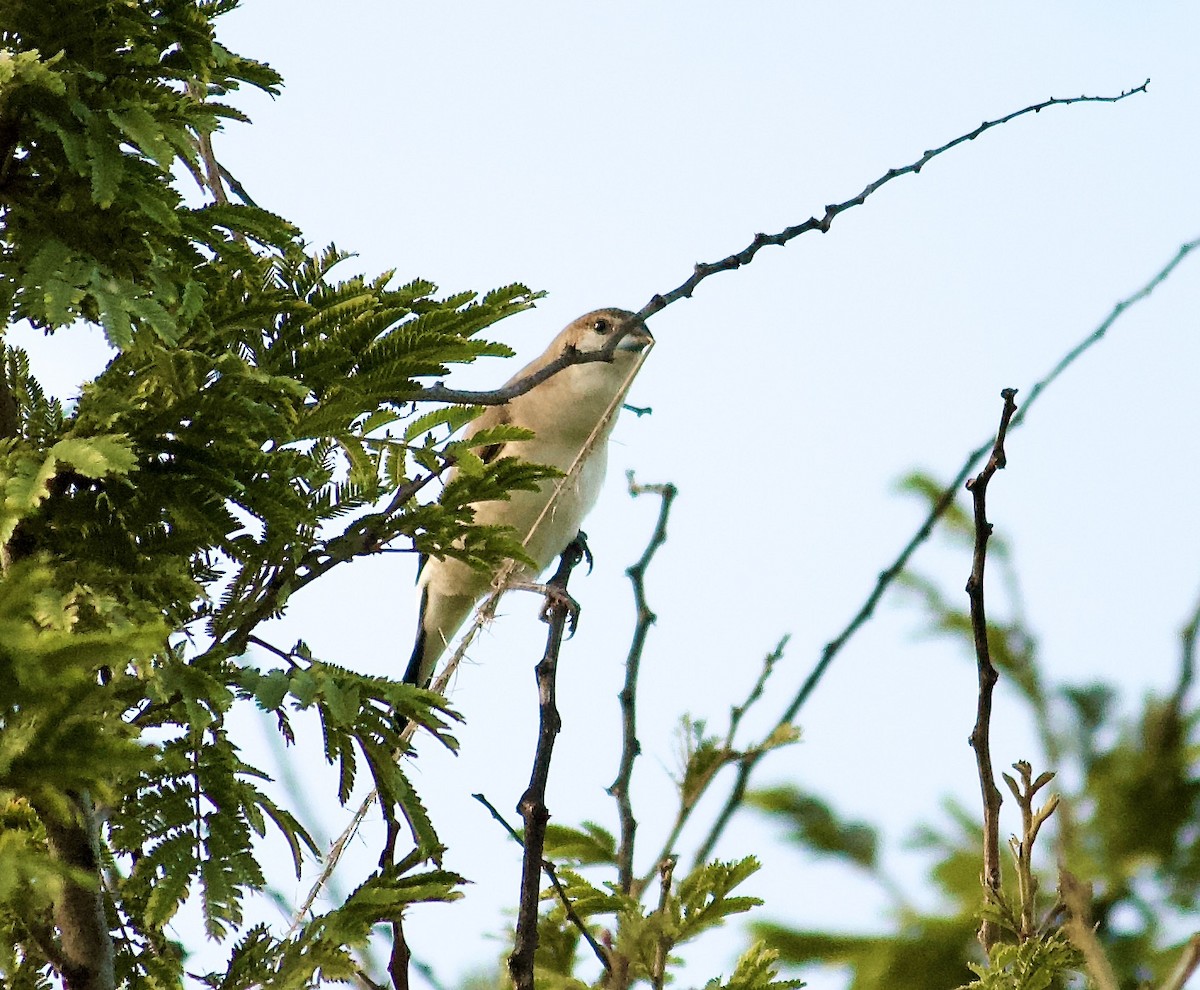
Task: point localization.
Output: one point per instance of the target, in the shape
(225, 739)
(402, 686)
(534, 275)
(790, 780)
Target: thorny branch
(702, 270)
(630, 747)
(980, 735)
(747, 765)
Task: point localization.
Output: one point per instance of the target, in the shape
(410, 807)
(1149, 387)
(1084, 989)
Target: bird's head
(595, 331)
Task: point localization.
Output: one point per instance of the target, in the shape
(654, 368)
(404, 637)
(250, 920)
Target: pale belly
(545, 527)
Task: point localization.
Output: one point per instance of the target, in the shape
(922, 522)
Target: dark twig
(551, 872)
(499, 396)
(702, 270)
(980, 738)
(747, 765)
(532, 806)
(746, 255)
(630, 747)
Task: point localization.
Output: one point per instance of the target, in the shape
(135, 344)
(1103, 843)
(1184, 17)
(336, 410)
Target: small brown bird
(572, 415)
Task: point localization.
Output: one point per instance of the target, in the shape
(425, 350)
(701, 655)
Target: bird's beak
(638, 339)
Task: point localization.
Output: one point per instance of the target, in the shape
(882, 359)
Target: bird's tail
(439, 619)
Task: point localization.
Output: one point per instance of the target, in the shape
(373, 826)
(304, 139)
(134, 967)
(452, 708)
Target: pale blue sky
(596, 151)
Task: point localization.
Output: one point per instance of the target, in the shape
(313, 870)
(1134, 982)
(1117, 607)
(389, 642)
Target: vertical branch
(630, 747)
(532, 806)
(979, 740)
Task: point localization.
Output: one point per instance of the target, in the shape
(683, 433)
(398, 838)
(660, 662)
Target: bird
(571, 415)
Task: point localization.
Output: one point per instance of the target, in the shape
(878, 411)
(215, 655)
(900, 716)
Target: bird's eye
(602, 326)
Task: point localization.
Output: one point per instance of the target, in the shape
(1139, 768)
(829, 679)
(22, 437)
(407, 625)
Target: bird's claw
(580, 543)
(557, 597)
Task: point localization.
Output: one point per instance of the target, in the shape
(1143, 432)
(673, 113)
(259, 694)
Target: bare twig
(630, 747)
(746, 255)
(498, 396)
(980, 735)
(747, 765)
(533, 802)
(212, 170)
(702, 270)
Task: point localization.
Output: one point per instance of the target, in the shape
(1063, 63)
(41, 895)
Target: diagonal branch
(746, 255)
(702, 270)
(747, 765)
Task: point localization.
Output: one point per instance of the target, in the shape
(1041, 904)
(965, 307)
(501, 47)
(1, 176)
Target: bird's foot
(556, 597)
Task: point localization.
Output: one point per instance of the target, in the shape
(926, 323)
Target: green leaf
(97, 456)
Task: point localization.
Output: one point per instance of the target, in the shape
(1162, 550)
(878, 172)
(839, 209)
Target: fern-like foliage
(255, 430)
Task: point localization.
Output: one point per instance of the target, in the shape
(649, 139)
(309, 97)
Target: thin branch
(746, 255)
(747, 765)
(400, 957)
(630, 747)
(498, 396)
(980, 735)
(702, 270)
(512, 832)
(364, 537)
(738, 712)
(532, 805)
(212, 169)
